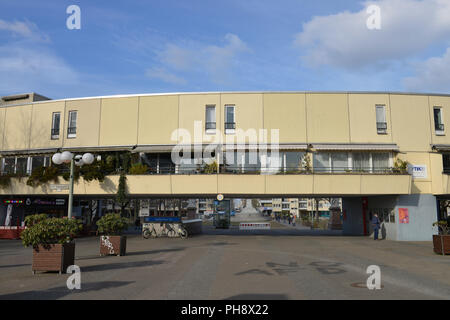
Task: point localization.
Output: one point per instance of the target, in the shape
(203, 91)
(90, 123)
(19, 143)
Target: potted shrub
(111, 227)
(441, 241)
(52, 242)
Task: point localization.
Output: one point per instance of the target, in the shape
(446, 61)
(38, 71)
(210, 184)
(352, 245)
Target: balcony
(210, 126)
(230, 125)
(439, 128)
(72, 132)
(381, 127)
(55, 134)
(230, 185)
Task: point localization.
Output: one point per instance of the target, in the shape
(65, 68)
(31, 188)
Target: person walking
(293, 220)
(376, 226)
(137, 224)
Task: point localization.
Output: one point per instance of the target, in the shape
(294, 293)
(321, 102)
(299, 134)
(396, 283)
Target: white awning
(355, 147)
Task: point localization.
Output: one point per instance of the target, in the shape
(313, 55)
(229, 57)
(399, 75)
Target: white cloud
(31, 69)
(343, 40)
(431, 75)
(218, 61)
(24, 29)
(164, 75)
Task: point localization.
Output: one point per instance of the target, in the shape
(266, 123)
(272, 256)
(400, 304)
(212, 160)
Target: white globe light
(56, 158)
(79, 163)
(66, 156)
(88, 158)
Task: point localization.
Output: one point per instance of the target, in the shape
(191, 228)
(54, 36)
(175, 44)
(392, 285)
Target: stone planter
(55, 257)
(113, 245)
(439, 241)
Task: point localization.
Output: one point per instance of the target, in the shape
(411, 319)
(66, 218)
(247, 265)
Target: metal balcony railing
(55, 133)
(230, 125)
(381, 127)
(210, 125)
(439, 127)
(72, 130)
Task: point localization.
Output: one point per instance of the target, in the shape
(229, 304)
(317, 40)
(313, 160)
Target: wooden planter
(113, 245)
(55, 257)
(438, 241)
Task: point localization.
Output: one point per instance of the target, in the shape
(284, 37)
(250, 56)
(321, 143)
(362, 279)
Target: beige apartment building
(336, 144)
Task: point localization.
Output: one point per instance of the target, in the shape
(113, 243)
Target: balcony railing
(72, 130)
(230, 125)
(381, 127)
(210, 125)
(439, 127)
(55, 133)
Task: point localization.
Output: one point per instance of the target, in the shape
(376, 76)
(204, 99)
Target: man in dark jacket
(376, 226)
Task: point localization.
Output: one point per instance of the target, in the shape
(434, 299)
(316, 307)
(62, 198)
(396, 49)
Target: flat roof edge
(233, 92)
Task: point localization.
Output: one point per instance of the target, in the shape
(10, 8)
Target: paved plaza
(283, 263)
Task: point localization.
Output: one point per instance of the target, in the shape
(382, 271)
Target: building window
(210, 121)
(381, 119)
(72, 127)
(230, 121)
(438, 123)
(341, 162)
(56, 118)
(446, 162)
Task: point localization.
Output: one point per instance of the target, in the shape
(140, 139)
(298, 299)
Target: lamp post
(78, 160)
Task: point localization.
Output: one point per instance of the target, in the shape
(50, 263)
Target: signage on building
(403, 215)
(220, 197)
(419, 171)
(144, 210)
(59, 187)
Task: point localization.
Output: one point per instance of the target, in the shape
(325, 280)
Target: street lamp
(78, 160)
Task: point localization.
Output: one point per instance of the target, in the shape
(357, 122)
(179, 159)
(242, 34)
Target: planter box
(438, 240)
(113, 245)
(55, 257)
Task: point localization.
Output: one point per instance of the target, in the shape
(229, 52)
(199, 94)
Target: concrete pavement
(284, 263)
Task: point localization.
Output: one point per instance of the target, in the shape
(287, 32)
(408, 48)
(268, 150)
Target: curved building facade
(387, 153)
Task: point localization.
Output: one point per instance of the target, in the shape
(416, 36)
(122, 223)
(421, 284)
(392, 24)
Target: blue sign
(162, 219)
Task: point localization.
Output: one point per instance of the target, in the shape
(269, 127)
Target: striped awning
(441, 147)
(355, 147)
(224, 147)
(6, 153)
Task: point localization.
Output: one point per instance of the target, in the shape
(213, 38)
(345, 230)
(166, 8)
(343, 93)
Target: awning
(98, 149)
(440, 147)
(27, 152)
(169, 148)
(355, 147)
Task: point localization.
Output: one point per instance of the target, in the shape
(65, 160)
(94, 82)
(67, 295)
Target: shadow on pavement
(16, 265)
(140, 253)
(60, 292)
(123, 265)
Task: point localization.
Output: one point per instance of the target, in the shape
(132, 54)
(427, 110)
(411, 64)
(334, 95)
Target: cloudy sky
(141, 46)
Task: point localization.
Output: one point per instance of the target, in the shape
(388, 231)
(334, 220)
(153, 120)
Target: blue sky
(138, 46)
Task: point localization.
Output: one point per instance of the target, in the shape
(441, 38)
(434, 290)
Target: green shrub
(138, 169)
(50, 231)
(34, 219)
(5, 181)
(112, 224)
(42, 175)
(210, 168)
